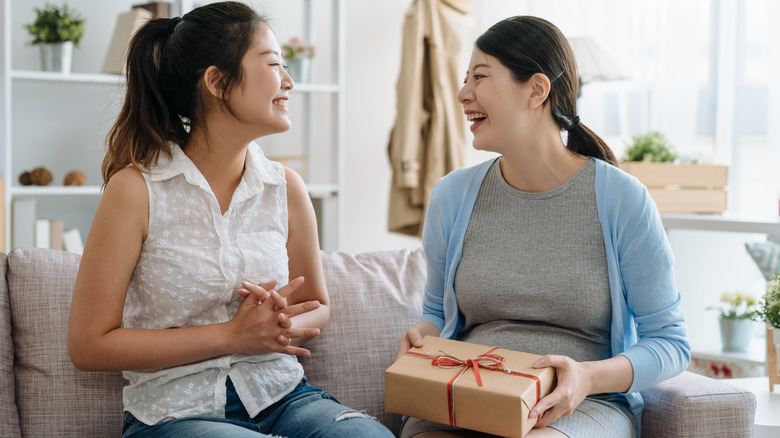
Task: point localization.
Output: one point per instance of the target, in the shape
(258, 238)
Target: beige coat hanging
(428, 138)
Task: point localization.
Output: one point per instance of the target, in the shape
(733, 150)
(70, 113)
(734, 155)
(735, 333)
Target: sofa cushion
(691, 405)
(766, 255)
(53, 397)
(375, 297)
(9, 415)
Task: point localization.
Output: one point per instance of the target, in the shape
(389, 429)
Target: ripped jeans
(307, 411)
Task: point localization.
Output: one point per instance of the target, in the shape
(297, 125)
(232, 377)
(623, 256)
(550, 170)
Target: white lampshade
(593, 62)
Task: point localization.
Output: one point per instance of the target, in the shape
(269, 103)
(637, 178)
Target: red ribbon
(487, 360)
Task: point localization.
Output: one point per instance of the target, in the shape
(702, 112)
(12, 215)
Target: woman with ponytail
(550, 248)
(201, 276)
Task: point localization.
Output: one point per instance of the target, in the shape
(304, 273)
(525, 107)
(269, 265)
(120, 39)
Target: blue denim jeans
(307, 411)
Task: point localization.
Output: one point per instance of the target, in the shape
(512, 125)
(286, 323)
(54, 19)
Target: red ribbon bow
(485, 360)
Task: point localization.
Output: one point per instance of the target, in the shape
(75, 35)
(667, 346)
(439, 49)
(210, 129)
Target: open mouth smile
(476, 119)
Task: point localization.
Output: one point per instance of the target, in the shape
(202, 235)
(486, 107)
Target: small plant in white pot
(768, 312)
(736, 319)
(769, 308)
(298, 55)
(56, 30)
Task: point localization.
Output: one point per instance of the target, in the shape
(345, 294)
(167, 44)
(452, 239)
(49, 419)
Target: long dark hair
(165, 63)
(528, 45)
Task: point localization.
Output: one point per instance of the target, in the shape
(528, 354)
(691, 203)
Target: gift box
(472, 386)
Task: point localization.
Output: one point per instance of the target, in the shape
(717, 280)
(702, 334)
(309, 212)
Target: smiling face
(494, 102)
(260, 100)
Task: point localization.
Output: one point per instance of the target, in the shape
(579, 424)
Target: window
(701, 72)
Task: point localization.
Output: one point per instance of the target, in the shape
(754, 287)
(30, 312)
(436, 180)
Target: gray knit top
(533, 276)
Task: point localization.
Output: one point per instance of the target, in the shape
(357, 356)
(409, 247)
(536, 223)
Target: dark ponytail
(528, 45)
(165, 63)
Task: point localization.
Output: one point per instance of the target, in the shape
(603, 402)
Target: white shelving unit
(709, 348)
(718, 222)
(77, 204)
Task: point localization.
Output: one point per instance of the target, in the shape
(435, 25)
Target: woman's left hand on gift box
(571, 389)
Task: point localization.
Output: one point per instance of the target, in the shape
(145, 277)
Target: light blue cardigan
(647, 322)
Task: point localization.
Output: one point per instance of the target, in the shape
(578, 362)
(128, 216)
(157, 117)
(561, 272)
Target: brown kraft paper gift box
(417, 385)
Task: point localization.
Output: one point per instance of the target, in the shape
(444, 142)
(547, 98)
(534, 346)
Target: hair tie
(172, 24)
(575, 121)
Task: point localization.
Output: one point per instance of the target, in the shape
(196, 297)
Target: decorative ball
(25, 179)
(75, 178)
(40, 176)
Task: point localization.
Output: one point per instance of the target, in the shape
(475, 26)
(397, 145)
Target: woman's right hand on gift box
(414, 336)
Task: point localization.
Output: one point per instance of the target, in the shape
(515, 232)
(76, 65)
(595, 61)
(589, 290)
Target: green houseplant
(56, 30)
(650, 147)
(769, 308)
(737, 311)
(769, 313)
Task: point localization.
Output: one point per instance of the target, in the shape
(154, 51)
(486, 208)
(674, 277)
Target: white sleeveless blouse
(191, 265)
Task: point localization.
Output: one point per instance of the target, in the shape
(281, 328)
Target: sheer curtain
(756, 118)
(700, 72)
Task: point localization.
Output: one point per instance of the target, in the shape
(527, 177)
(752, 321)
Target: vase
(776, 342)
(56, 57)
(299, 70)
(735, 334)
(773, 356)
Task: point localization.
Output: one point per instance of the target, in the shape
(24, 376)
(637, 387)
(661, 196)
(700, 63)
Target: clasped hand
(264, 321)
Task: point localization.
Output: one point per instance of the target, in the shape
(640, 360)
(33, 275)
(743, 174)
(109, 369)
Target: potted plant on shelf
(56, 30)
(737, 311)
(298, 54)
(769, 308)
(674, 186)
(768, 312)
(651, 147)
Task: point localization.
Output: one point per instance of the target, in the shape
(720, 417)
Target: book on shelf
(29, 231)
(127, 24)
(72, 241)
(56, 231)
(23, 223)
(42, 233)
(2, 214)
(49, 234)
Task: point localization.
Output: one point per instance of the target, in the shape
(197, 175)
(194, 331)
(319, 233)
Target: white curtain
(701, 72)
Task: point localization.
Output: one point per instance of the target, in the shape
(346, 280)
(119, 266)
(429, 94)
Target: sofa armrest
(692, 405)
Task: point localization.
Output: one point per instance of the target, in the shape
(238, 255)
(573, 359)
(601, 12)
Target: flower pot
(773, 356)
(299, 70)
(735, 334)
(56, 56)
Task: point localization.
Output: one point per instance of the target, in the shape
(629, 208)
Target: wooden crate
(683, 188)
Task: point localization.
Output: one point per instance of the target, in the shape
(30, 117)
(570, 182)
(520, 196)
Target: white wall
(373, 52)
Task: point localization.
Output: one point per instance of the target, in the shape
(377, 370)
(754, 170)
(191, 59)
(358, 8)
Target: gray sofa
(375, 297)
